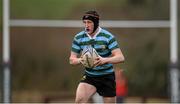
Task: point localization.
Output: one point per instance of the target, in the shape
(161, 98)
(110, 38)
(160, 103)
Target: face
(89, 26)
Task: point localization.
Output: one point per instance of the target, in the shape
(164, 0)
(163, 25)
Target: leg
(84, 92)
(97, 98)
(109, 99)
(119, 99)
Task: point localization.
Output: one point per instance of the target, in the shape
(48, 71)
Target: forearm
(115, 59)
(74, 61)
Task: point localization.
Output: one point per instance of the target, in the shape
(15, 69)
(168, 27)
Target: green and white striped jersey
(103, 42)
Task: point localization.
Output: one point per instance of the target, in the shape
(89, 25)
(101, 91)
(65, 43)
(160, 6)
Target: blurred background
(40, 55)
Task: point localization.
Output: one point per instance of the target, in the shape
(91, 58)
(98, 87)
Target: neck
(92, 34)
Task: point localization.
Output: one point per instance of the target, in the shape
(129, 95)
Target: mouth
(86, 29)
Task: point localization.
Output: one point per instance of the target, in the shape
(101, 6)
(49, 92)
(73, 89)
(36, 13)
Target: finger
(82, 61)
(97, 63)
(97, 58)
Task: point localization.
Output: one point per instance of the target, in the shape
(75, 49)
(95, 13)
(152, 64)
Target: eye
(84, 21)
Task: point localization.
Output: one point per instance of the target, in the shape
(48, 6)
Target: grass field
(39, 55)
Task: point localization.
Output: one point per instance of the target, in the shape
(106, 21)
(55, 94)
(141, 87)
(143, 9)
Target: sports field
(40, 55)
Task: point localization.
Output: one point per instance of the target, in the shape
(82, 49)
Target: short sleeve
(113, 44)
(75, 46)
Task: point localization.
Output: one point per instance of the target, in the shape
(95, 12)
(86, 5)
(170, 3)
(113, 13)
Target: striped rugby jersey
(103, 42)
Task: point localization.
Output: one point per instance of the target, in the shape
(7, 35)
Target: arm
(73, 59)
(117, 57)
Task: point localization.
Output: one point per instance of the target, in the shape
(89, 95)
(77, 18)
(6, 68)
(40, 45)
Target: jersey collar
(99, 29)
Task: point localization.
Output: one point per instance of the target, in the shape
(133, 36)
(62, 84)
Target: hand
(81, 60)
(75, 61)
(100, 61)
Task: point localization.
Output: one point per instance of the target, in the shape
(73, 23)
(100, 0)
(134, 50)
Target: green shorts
(105, 85)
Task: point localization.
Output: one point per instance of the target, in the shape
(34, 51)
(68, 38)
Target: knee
(80, 100)
(109, 100)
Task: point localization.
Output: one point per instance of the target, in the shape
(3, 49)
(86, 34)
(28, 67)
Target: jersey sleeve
(113, 44)
(75, 46)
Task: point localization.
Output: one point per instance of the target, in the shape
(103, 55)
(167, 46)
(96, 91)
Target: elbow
(121, 59)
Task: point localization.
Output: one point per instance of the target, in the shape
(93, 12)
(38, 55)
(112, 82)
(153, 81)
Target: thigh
(84, 92)
(107, 86)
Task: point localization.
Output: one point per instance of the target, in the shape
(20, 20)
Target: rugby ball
(88, 57)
